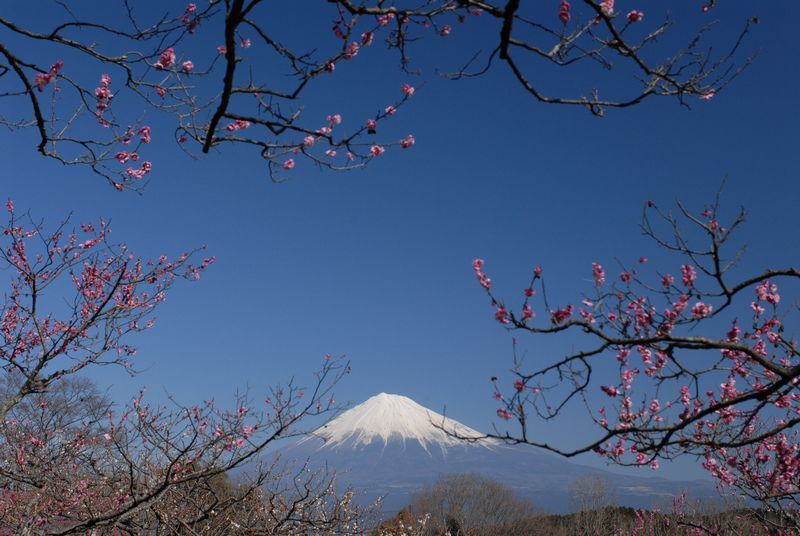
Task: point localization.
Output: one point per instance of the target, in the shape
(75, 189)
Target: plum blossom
(407, 142)
(166, 60)
(445, 31)
(384, 20)
(144, 134)
(598, 273)
(477, 266)
(708, 95)
(376, 150)
(527, 313)
(635, 16)
(352, 50)
(187, 66)
(138, 174)
(371, 126)
(308, 141)
(42, 79)
(607, 7)
(689, 275)
(768, 292)
(563, 11)
(503, 414)
(103, 95)
(407, 89)
(501, 315)
(561, 315)
(288, 164)
(610, 390)
(239, 124)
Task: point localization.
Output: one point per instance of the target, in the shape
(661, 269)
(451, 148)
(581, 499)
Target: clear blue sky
(375, 264)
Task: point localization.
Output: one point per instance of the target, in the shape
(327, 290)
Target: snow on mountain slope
(386, 417)
(390, 447)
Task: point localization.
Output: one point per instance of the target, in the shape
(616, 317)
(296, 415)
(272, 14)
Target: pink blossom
(384, 20)
(107, 437)
(407, 89)
(245, 43)
(222, 50)
(768, 292)
(445, 31)
(366, 38)
(407, 142)
(289, 164)
(334, 119)
(308, 141)
(689, 275)
(144, 134)
(607, 7)
(42, 79)
(390, 110)
(187, 66)
(561, 315)
(330, 152)
(701, 310)
(166, 60)
(103, 93)
(708, 95)
(376, 150)
(371, 126)
(610, 390)
(477, 266)
(519, 385)
(635, 16)
(239, 124)
(527, 313)
(503, 414)
(537, 272)
(563, 12)
(598, 273)
(138, 174)
(352, 50)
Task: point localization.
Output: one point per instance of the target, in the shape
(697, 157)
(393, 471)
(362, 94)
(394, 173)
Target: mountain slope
(390, 446)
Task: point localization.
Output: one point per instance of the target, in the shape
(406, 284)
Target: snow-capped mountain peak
(386, 417)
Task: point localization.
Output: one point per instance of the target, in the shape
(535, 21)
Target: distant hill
(388, 446)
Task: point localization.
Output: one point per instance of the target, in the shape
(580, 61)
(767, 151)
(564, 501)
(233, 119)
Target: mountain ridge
(389, 446)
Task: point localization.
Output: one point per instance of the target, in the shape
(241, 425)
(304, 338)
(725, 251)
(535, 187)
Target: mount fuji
(391, 446)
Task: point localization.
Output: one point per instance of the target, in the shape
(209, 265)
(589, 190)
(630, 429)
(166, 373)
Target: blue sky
(375, 264)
